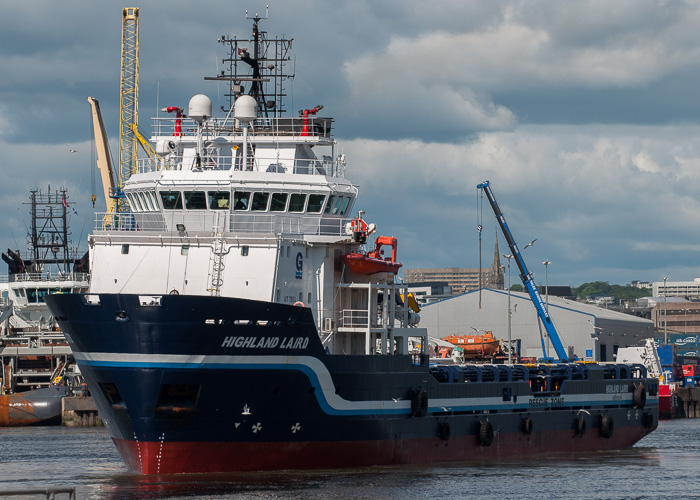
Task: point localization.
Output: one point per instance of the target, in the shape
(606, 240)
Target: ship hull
(209, 384)
(36, 407)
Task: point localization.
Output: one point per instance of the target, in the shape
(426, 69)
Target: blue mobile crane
(526, 277)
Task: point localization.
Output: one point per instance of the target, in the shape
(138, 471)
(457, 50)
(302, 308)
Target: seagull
(446, 409)
(246, 410)
(583, 411)
(530, 244)
(396, 400)
(73, 150)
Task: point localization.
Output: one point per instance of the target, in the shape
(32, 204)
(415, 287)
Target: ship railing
(225, 161)
(356, 318)
(310, 127)
(213, 222)
(48, 276)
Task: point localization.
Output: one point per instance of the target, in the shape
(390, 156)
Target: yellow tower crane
(129, 98)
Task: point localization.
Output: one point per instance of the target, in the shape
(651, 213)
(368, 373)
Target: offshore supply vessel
(239, 318)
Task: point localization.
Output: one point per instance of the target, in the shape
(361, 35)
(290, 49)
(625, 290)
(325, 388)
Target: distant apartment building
(677, 317)
(459, 279)
(642, 285)
(685, 289)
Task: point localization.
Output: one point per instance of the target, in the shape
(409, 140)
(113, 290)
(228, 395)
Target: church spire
(496, 278)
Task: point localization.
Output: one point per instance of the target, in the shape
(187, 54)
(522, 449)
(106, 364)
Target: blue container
(666, 354)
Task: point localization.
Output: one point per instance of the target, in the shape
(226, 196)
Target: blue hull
(212, 384)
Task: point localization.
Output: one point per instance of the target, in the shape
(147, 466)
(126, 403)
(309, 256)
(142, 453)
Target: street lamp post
(665, 313)
(510, 313)
(546, 293)
(546, 283)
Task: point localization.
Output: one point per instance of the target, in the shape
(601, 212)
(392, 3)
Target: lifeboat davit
(374, 261)
(475, 345)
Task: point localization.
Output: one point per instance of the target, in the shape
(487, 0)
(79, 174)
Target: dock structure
(80, 411)
(688, 402)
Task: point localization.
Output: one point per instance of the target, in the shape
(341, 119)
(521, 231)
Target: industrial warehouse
(588, 332)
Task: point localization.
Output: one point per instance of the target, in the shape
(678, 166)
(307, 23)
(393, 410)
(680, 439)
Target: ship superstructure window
(135, 203)
(195, 200)
(154, 199)
(344, 206)
(145, 203)
(260, 202)
(149, 202)
(219, 200)
(241, 200)
(316, 203)
(297, 202)
(278, 203)
(329, 206)
(171, 200)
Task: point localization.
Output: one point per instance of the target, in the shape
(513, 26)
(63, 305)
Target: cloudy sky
(585, 117)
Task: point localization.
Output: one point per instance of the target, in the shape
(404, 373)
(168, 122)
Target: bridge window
(219, 200)
(331, 201)
(278, 202)
(334, 205)
(260, 202)
(134, 202)
(154, 199)
(344, 206)
(145, 201)
(240, 200)
(316, 203)
(297, 202)
(171, 200)
(195, 200)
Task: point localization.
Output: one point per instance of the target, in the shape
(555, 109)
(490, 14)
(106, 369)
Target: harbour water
(663, 465)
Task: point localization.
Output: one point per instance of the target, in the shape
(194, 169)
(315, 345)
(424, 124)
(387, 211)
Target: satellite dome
(245, 109)
(199, 108)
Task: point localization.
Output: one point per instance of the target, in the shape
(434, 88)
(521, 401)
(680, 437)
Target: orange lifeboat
(475, 345)
(374, 261)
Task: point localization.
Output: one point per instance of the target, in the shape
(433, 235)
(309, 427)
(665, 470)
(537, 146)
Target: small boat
(374, 261)
(36, 407)
(475, 345)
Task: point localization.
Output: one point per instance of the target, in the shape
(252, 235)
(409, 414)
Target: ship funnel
(199, 108)
(245, 109)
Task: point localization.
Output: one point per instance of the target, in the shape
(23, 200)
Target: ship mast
(259, 62)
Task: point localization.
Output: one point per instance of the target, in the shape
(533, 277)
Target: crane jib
(526, 277)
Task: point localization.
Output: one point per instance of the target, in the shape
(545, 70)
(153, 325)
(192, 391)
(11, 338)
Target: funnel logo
(300, 265)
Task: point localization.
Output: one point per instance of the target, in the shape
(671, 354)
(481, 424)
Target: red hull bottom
(178, 458)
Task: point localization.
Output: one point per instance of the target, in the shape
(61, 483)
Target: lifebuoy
(485, 433)
(527, 426)
(607, 426)
(419, 403)
(639, 397)
(298, 303)
(444, 431)
(580, 425)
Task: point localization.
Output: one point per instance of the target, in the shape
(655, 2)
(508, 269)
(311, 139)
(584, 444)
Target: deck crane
(104, 162)
(128, 98)
(526, 277)
(145, 145)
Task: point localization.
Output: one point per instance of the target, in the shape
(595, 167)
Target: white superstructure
(251, 205)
